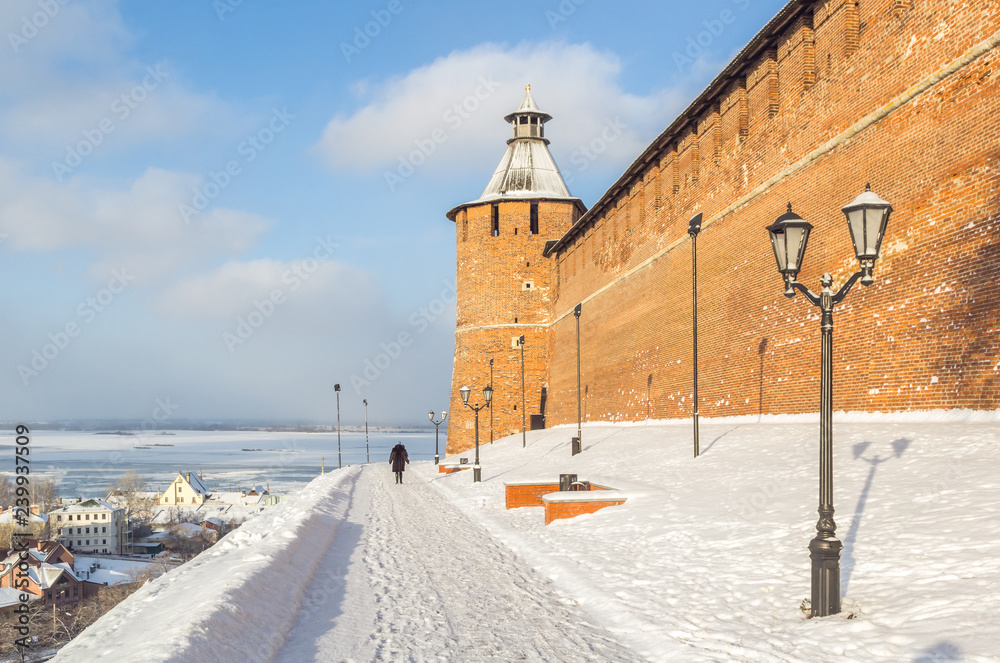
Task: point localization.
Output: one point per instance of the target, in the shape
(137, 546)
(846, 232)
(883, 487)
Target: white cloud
(318, 288)
(140, 227)
(466, 94)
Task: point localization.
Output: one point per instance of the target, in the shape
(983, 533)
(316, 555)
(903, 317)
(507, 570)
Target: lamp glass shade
(444, 415)
(336, 387)
(867, 217)
(430, 415)
(465, 391)
(488, 393)
(789, 236)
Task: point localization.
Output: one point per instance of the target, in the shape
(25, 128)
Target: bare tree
(43, 493)
(6, 492)
(130, 493)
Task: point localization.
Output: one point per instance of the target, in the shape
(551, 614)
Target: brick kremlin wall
(830, 95)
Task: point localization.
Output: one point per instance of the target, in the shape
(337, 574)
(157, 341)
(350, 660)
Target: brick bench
(527, 493)
(569, 504)
(451, 468)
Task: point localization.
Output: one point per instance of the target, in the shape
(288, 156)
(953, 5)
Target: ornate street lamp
(867, 217)
(336, 388)
(488, 395)
(368, 457)
(430, 415)
(694, 227)
(524, 435)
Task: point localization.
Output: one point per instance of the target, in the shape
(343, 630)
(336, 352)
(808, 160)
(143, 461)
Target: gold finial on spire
(527, 88)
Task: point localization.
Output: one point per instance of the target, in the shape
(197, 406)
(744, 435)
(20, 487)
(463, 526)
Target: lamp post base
(825, 555)
(477, 474)
(436, 459)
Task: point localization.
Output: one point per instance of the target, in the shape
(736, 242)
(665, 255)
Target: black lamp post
(336, 388)
(491, 403)
(694, 227)
(430, 415)
(524, 435)
(577, 445)
(368, 457)
(488, 395)
(867, 217)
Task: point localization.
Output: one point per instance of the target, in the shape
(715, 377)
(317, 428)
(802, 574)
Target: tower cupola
(528, 121)
(527, 169)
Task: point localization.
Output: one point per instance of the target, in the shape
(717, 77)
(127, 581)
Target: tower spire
(527, 169)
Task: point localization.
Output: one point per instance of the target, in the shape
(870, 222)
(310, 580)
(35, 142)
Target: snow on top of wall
(231, 601)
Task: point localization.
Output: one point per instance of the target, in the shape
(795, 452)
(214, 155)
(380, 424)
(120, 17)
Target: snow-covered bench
(449, 468)
(529, 492)
(569, 504)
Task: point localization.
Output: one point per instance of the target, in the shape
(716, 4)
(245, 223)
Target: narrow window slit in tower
(496, 220)
(534, 218)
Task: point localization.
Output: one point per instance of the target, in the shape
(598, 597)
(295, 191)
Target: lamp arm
(813, 299)
(846, 288)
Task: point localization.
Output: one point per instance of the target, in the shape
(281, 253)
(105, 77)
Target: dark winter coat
(398, 458)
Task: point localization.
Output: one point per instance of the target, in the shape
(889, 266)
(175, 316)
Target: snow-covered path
(423, 582)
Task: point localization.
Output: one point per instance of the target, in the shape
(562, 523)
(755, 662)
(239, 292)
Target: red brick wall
(494, 307)
(925, 336)
(558, 510)
(516, 497)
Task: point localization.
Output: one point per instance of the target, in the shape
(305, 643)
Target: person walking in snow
(398, 459)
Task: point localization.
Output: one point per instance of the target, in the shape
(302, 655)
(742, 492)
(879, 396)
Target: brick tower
(505, 284)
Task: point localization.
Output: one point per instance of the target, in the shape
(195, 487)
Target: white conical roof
(527, 170)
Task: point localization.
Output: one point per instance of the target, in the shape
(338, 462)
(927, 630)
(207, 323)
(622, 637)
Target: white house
(184, 491)
(92, 526)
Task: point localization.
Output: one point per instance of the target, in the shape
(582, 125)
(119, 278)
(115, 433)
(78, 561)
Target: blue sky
(230, 206)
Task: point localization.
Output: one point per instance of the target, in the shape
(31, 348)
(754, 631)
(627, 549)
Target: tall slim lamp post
(336, 388)
(867, 217)
(368, 457)
(491, 404)
(524, 434)
(430, 415)
(578, 444)
(694, 227)
(488, 395)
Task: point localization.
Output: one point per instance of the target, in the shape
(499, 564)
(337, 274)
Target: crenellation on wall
(688, 159)
(837, 94)
(797, 59)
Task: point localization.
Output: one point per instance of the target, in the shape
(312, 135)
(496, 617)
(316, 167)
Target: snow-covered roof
(10, 596)
(196, 483)
(106, 571)
(88, 505)
(7, 517)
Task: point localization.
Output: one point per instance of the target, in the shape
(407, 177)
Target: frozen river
(84, 463)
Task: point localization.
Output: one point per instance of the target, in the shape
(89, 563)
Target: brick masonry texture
(516, 497)
(559, 510)
(494, 305)
(902, 95)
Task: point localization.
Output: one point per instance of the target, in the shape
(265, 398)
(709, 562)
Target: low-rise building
(45, 570)
(93, 526)
(34, 520)
(184, 490)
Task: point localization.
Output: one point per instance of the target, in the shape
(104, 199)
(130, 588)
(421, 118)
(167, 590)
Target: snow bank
(235, 601)
(708, 559)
